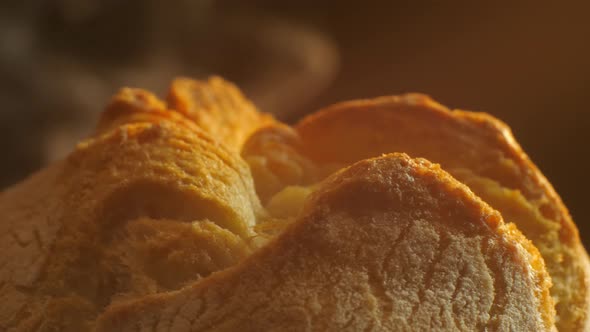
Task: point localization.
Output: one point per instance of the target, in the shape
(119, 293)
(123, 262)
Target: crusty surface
(151, 195)
(219, 108)
(479, 151)
(387, 244)
(201, 213)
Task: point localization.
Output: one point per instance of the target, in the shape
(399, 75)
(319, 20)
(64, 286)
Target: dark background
(525, 62)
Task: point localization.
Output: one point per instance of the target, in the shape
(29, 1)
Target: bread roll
(479, 151)
(390, 244)
(200, 213)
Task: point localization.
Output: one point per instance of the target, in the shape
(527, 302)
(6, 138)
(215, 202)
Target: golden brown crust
(460, 141)
(130, 106)
(390, 243)
(379, 225)
(80, 228)
(219, 108)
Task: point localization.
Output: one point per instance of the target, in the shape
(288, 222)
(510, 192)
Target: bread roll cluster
(199, 213)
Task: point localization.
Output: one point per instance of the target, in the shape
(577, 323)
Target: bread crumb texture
(200, 213)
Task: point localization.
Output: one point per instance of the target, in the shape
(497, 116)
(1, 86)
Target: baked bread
(203, 214)
(389, 243)
(480, 152)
